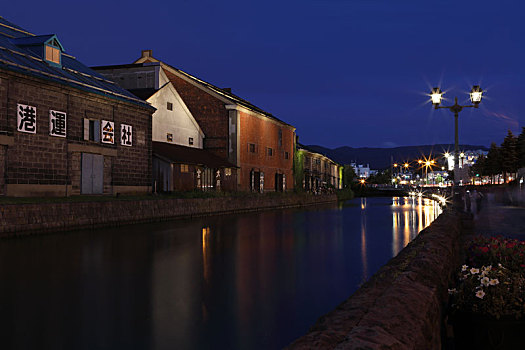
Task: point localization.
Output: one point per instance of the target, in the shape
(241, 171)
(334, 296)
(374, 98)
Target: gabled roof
(16, 56)
(37, 40)
(226, 93)
(189, 155)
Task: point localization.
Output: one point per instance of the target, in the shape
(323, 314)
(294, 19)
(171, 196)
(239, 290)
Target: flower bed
(489, 296)
(497, 250)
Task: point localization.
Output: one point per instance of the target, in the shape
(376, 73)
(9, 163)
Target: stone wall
(37, 218)
(402, 305)
(42, 165)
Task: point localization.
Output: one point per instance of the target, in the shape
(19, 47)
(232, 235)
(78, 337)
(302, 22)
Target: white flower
(485, 281)
(494, 282)
(464, 268)
(480, 293)
(474, 271)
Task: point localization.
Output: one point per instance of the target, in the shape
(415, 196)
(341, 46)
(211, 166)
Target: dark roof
(189, 155)
(143, 93)
(228, 94)
(15, 56)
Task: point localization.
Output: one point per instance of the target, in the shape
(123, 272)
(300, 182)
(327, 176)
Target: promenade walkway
(495, 217)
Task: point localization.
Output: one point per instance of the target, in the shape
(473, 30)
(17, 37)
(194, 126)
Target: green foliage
(493, 291)
(349, 176)
(298, 170)
(344, 194)
(509, 154)
(493, 282)
(520, 148)
(383, 177)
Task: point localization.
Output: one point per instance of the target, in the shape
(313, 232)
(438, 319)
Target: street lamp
(436, 95)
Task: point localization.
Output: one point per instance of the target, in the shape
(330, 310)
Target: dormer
(47, 47)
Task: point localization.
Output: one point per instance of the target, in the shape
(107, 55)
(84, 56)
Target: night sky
(344, 73)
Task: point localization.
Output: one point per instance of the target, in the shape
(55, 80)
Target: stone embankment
(25, 219)
(402, 305)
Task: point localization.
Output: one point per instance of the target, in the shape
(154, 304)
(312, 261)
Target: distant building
(317, 172)
(179, 161)
(65, 129)
(256, 142)
(361, 170)
(466, 158)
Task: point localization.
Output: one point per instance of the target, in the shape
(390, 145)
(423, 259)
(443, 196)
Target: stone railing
(402, 305)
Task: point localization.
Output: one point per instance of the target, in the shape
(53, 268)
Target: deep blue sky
(344, 73)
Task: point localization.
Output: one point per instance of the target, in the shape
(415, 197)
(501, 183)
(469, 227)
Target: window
(190, 140)
(286, 155)
(169, 137)
(184, 168)
(251, 148)
(227, 171)
(170, 106)
(91, 130)
(52, 54)
(269, 151)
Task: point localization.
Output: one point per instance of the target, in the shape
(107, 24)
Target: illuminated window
(52, 54)
(228, 172)
(184, 168)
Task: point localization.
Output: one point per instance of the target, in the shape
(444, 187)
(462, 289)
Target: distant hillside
(379, 158)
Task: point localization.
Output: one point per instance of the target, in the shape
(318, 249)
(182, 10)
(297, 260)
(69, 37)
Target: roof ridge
(236, 99)
(14, 28)
(72, 81)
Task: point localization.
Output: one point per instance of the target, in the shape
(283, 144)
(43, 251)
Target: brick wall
(25, 219)
(41, 159)
(208, 111)
(264, 133)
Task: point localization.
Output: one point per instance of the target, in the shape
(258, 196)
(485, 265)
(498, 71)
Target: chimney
(147, 53)
(228, 90)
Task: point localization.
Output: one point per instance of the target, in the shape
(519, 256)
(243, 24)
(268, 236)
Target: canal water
(247, 281)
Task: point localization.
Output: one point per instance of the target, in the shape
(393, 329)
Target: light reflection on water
(250, 281)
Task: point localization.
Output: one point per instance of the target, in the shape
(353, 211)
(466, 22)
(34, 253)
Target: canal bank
(402, 305)
(38, 218)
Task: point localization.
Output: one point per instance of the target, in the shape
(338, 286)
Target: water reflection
(406, 211)
(250, 281)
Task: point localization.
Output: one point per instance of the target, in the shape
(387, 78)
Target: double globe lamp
(436, 95)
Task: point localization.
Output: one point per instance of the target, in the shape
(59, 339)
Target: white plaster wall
(178, 122)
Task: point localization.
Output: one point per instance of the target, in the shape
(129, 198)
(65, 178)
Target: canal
(247, 281)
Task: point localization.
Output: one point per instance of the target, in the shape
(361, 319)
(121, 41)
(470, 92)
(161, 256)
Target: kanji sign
(126, 135)
(57, 123)
(26, 118)
(108, 132)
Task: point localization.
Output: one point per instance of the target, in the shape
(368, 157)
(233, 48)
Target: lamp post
(475, 97)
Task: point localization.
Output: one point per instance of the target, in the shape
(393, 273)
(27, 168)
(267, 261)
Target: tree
(349, 176)
(520, 148)
(383, 177)
(493, 162)
(479, 168)
(509, 155)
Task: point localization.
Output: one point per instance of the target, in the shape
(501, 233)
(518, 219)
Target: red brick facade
(264, 134)
(211, 113)
(40, 164)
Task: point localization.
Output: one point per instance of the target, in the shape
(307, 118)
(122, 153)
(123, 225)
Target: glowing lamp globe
(476, 94)
(436, 95)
